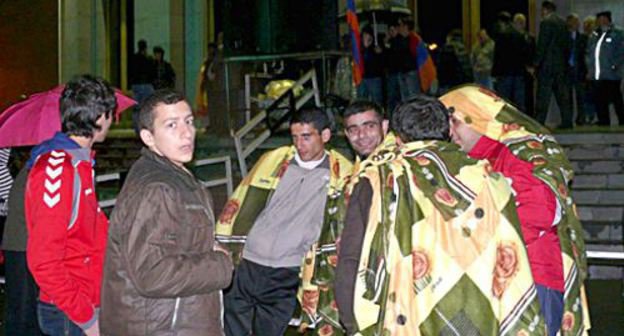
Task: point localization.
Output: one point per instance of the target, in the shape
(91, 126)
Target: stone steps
(598, 190)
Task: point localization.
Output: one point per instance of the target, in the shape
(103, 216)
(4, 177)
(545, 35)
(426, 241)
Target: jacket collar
(169, 166)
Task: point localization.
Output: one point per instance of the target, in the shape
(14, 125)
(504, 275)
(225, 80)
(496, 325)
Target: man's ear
(326, 135)
(147, 137)
(384, 126)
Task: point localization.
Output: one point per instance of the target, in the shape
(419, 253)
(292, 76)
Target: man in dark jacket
(164, 75)
(577, 69)
(605, 57)
(551, 64)
(163, 271)
(510, 54)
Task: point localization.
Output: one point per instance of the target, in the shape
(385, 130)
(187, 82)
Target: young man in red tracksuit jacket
(66, 228)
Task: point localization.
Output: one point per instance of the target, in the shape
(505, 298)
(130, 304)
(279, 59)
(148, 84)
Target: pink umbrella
(37, 118)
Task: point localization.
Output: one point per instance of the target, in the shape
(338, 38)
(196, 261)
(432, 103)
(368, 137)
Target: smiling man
(365, 126)
(272, 220)
(163, 272)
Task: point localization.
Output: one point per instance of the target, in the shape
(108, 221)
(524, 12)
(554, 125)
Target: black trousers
(21, 296)
(261, 300)
(605, 93)
(546, 86)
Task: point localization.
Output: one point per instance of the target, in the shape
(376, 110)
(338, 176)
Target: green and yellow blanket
(442, 251)
(496, 118)
(253, 193)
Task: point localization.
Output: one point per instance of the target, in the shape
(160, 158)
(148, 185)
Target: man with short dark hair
(273, 221)
(161, 255)
(551, 66)
(511, 55)
(140, 77)
(433, 246)
(365, 126)
(164, 75)
(66, 227)
(605, 57)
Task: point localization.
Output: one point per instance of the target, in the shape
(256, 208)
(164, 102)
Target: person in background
(591, 116)
(140, 76)
(6, 180)
(520, 23)
(453, 62)
(164, 76)
(482, 59)
(510, 55)
(371, 85)
(577, 70)
(21, 290)
(397, 58)
(605, 63)
(551, 66)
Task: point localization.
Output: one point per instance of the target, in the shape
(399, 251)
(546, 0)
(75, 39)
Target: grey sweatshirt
(291, 222)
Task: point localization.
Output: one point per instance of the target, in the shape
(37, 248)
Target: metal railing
(287, 98)
(226, 180)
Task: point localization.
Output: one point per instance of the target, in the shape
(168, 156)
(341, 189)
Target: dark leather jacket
(161, 275)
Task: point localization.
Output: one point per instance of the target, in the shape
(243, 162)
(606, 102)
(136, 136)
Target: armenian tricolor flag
(426, 68)
(354, 29)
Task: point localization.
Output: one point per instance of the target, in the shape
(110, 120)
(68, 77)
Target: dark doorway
(489, 9)
(437, 18)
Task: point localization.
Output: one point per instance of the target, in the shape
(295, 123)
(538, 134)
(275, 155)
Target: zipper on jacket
(175, 313)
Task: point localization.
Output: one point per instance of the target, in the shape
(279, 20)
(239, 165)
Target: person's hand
(378, 49)
(219, 248)
(94, 330)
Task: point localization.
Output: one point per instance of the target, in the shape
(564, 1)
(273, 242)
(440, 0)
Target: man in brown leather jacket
(163, 273)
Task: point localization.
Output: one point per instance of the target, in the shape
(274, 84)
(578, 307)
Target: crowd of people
(581, 68)
(449, 218)
(454, 217)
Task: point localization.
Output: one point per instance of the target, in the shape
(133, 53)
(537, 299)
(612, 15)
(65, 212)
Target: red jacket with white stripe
(66, 233)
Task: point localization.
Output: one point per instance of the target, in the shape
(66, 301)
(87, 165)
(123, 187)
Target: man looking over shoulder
(164, 272)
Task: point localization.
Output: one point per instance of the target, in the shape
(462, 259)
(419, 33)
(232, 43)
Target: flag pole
(375, 29)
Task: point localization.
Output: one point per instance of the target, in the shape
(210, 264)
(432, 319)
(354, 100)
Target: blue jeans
(393, 92)
(484, 80)
(409, 83)
(552, 308)
(53, 322)
(370, 89)
(512, 88)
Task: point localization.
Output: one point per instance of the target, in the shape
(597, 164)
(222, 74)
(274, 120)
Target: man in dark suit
(551, 64)
(511, 53)
(577, 69)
